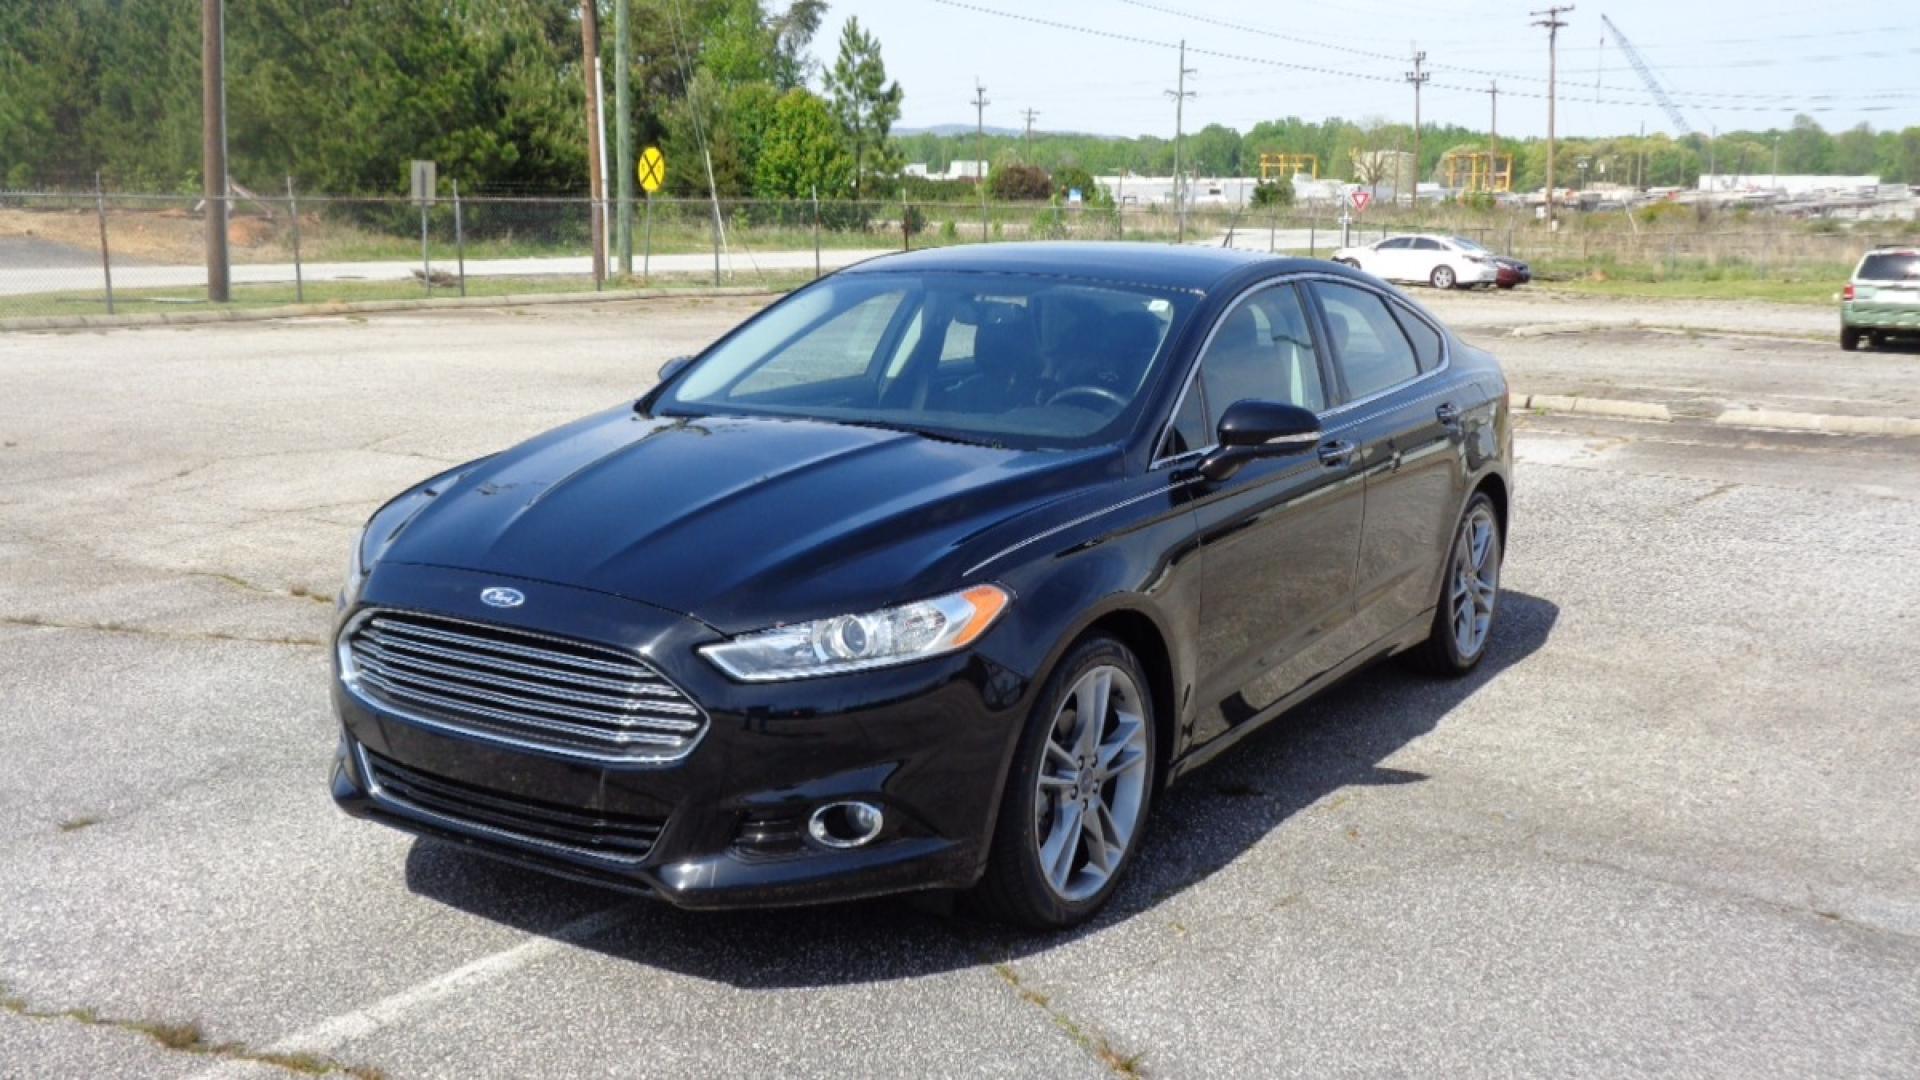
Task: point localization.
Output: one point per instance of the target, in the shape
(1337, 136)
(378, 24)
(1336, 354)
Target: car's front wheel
(1469, 594)
(1078, 794)
(1443, 277)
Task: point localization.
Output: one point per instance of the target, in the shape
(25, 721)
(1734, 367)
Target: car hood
(739, 522)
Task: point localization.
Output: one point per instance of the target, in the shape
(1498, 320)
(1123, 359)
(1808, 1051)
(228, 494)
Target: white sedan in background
(1443, 262)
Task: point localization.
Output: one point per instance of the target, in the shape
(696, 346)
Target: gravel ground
(1667, 829)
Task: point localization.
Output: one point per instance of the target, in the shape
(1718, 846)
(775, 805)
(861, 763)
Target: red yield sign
(1362, 200)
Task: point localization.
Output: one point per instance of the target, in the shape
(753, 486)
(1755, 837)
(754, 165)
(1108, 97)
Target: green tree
(1019, 182)
(801, 152)
(864, 102)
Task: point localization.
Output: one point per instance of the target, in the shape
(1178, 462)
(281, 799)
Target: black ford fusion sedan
(931, 575)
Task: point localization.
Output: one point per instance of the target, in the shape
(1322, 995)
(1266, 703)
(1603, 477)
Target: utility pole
(623, 126)
(1775, 184)
(1553, 23)
(596, 183)
(1713, 173)
(1418, 78)
(980, 104)
(1180, 95)
(1493, 137)
(213, 144)
(1030, 114)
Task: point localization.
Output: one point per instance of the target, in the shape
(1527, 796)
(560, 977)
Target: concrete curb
(348, 307)
(1738, 416)
(1628, 410)
(1839, 425)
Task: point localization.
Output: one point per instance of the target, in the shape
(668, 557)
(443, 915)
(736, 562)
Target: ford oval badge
(501, 596)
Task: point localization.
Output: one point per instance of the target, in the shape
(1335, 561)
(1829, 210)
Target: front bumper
(926, 742)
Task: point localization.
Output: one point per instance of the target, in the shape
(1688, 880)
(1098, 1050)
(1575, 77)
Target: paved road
(18, 278)
(1667, 830)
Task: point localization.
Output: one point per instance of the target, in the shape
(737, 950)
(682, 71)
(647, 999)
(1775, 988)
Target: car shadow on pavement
(1333, 742)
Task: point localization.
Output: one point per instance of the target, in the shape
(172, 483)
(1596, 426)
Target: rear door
(1403, 416)
(1278, 538)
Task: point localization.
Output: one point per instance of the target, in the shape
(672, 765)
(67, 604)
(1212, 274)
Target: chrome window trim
(1193, 368)
(350, 676)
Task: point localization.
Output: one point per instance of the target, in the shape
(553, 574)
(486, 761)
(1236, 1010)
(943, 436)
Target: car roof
(1171, 266)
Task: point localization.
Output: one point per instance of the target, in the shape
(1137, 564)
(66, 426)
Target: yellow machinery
(1277, 166)
(1478, 170)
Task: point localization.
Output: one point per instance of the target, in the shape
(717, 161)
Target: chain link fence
(67, 253)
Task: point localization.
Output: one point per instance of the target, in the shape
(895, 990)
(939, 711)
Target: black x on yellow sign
(652, 169)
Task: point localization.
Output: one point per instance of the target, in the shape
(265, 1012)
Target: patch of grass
(191, 298)
(1693, 279)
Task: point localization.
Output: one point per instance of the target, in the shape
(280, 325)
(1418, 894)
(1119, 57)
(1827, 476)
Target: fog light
(845, 824)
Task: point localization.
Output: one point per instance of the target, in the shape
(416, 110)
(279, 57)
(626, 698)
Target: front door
(1406, 429)
(1279, 538)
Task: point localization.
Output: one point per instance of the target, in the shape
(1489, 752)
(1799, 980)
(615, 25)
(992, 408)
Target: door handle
(1448, 413)
(1339, 452)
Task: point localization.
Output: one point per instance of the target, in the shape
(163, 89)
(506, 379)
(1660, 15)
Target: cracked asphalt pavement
(1669, 828)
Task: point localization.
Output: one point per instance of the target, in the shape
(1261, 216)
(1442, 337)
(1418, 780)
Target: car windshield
(1004, 359)
(1891, 266)
(1463, 242)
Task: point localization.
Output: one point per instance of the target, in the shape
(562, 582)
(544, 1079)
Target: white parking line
(328, 1035)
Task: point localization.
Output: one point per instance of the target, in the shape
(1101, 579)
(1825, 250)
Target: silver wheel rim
(1443, 277)
(1475, 582)
(1092, 783)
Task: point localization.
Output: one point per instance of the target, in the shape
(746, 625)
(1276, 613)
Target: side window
(1262, 350)
(1426, 340)
(1395, 244)
(1189, 430)
(1368, 344)
(1425, 244)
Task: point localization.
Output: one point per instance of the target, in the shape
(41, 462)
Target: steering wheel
(1088, 390)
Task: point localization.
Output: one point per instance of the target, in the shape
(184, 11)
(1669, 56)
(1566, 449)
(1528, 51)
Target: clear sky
(1727, 64)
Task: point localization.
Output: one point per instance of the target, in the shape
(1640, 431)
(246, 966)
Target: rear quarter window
(1425, 339)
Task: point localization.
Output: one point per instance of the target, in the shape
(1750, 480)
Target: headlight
(356, 570)
(896, 635)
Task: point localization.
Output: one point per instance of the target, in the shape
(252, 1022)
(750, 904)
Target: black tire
(1878, 341)
(1443, 277)
(1441, 653)
(1508, 284)
(1015, 889)
(1849, 338)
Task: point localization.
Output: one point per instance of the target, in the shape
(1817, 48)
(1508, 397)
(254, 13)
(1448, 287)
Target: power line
(1371, 54)
(1135, 39)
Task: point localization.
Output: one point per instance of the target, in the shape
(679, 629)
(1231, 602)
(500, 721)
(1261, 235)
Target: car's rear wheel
(1354, 263)
(1849, 338)
(1469, 594)
(1443, 277)
(1078, 794)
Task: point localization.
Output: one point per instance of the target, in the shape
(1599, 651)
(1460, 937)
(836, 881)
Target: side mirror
(1254, 429)
(674, 367)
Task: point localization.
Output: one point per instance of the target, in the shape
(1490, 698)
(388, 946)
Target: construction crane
(1681, 127)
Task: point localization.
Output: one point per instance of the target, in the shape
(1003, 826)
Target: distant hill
(946, 130)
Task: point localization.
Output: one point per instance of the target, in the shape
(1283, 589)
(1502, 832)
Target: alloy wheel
(1091, 788)
(1475, 582)
(1443, 277)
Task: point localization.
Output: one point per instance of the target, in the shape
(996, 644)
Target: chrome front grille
(515, 686)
